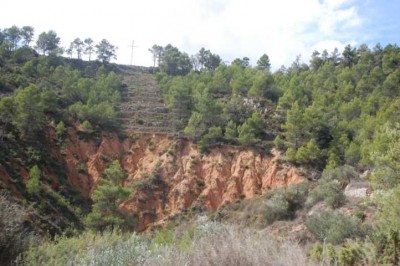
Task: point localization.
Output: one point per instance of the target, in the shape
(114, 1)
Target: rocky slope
(169, 176)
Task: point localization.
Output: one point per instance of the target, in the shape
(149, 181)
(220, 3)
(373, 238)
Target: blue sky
(283, 29)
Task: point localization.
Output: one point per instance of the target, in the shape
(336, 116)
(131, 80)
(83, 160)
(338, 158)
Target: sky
(282, 29)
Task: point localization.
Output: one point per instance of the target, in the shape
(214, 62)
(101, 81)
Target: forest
(337, 115)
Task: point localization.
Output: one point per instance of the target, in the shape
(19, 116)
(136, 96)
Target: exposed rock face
(168, 176)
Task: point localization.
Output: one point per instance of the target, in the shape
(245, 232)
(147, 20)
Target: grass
(204, 243)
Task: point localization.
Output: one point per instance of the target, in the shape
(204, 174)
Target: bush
(281, 204)
(331, 185)
(109, 248)
(33, 183)
(277, 207)
(333, 226)
(15, 234)
(207, 243)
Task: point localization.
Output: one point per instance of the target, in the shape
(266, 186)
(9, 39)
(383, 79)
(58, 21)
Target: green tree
(175, 62)
(27, 33)
(250, 131)
(208, 60)
(196, 127)
(106, 200)
(213, 135)
(78, 46)
(33, 183)
(115, 173)
(231, 132)
(244, 62)
(13, 34)
(263, 86)
(309, 153)
(105, 51)
(157, 52)
(6, 113)
(349, 56)
(263, 63)
(48, 42)
(29, 117)
(89, 49)
(293, 126)
(386, 147)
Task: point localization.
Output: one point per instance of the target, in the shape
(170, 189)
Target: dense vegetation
(336, 115)
(41, 96)
(339, 114)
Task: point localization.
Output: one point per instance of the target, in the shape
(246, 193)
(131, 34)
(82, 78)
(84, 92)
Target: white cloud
(232, 28)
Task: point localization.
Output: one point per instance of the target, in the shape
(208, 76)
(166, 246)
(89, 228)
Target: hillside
(142, 107)
(297, 154)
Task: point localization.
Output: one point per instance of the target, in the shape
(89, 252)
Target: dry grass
(205, 243)
(219, 244)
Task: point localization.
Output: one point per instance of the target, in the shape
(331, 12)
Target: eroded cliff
(168, 176)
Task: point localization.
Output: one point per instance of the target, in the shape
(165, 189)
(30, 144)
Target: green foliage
(105, 51)
(87, 126)
(316, 252)
(29, 117)
(279, 143)
(386, 147)
(333, 226)
(310, 153)
(174, 62)
(198, 244)
(98, 101)
(108, 248)
(164, 237)
(195, 127)
(263, 63)
(47, 42)
(60, 130)
(350, 253)
(251, 130)
(290, 154)
(281, 204)
(330, 186)
(33, 185)
(231, 132)
(106, 199)
(115, 173)
(213, 135)
(15, 237)
(387, 214)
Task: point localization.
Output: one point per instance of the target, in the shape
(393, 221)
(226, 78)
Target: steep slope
(169, 176)
(142, 107)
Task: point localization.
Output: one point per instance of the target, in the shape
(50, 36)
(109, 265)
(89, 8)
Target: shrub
(333, 226)
(279, 143)
(15, 234)
(331, 185)
(350, 254)
(60, 130)
(282, 203)
(164, 237)
(87, 126)
(290, 154)
(207, 243)
(109, 248)
(33, 183)
(277, 207)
